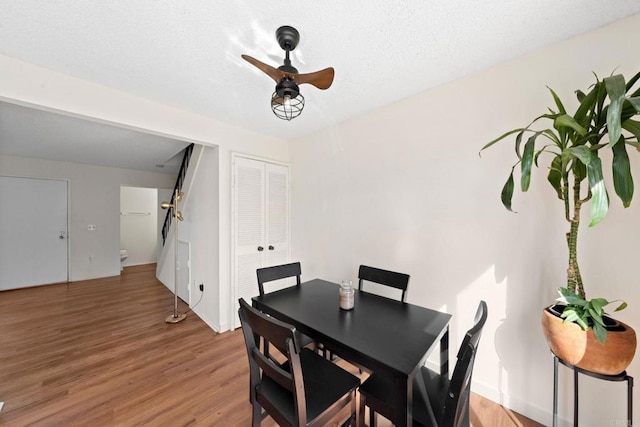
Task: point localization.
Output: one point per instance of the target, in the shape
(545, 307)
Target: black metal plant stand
(620, 377)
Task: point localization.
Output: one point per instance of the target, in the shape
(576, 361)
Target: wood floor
(98, 353)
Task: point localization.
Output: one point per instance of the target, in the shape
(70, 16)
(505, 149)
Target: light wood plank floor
(98, 353)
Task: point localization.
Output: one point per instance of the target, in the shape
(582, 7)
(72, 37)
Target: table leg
(555, 391)
(444, 353)
(404, 397)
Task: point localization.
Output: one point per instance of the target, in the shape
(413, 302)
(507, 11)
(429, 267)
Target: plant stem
(574, 278)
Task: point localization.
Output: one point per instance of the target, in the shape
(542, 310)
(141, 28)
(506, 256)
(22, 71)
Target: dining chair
(279, 272)
(384, 277)
(437, 400)
(305, 390)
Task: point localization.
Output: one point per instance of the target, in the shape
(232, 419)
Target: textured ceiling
(186, 53)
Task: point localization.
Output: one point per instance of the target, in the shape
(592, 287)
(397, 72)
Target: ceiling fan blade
(321, 79)
(272, 72)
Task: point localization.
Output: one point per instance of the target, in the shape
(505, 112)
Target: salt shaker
(346, 295)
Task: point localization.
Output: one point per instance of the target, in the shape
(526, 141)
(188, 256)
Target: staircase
(178, 187)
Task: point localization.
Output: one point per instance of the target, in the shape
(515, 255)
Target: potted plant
(571, 148)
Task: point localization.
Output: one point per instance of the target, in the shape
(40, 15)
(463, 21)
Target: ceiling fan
(287, 102)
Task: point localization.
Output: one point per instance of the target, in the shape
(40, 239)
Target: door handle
(271, 248)
(260, 249)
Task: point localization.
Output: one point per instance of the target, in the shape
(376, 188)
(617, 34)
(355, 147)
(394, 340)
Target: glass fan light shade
(286, 107)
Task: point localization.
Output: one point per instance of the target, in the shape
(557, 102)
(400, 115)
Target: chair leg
(352, 421)
(256, 416)
(361, 408)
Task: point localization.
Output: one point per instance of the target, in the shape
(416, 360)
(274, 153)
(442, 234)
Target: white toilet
(123, 255)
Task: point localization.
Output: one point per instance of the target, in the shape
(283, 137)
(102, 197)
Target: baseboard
(213, 325)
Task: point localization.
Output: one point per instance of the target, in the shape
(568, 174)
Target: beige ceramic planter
(572, 344)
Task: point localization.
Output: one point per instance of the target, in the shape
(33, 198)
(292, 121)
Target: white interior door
(260, 221)
(33, 226)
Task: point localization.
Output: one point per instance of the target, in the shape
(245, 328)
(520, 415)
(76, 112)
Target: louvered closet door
(260, 222)
(277, 218)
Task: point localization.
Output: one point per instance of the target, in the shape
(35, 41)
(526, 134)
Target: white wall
(139, 224)
(403, 188)
(202, 212)
(94, 198)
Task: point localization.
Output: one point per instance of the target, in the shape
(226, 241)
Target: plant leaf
(527, 161)
(579, 171)
(600, 332)
(621, 306)
(553, 137)
(615, 89)
(556, 99)
(635, 101)
(569, 315)
(540, 152)
(599, 198)
(566, 121)
(501, 137)
(583, 324)
(632, 81)
(622, 179)
(586, 104)
(517, 145)
(570, 298)
(507, 192)
(582, 153)
(632, 126)
(597, 318)
(597, 304)
(555, 175)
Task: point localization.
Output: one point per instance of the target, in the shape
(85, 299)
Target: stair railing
(178, 187)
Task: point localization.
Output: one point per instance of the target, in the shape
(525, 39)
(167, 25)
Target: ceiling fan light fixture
(287, 102)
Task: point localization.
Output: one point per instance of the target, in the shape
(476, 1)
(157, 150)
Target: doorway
(138, 226)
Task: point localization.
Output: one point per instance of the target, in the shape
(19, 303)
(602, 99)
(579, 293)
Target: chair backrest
(456, 405)
(277, 272)
(257, 326)
(384, 277)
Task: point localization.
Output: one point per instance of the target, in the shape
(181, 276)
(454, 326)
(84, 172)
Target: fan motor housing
(287, 87)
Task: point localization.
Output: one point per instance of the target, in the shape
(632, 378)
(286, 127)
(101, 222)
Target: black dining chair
(305, 390)
(437, 400)
(384, 277)
(279, 272)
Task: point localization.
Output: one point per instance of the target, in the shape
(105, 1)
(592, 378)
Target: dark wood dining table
(386, 336)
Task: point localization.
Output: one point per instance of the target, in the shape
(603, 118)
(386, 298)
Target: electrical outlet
(201, 287)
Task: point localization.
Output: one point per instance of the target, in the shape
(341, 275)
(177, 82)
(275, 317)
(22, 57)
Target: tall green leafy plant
(571, 148)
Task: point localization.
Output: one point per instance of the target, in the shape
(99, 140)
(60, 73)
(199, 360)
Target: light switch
(91, 227)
